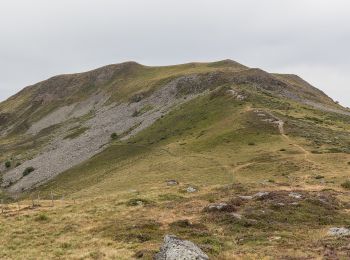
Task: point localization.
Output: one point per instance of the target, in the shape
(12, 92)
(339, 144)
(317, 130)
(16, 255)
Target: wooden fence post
(52, 199)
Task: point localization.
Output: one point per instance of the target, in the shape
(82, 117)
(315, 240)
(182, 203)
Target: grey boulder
(175, 248)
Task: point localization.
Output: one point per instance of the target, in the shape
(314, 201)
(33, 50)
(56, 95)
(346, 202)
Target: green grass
(76, 132)
(8, 164)
(346, 185)
(42, 218)
(143, 110)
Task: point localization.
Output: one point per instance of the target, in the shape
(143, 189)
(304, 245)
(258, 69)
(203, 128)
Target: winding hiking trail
(239, 167)
(281, 130)
(233, 169)
(286, 137)
(280, 124)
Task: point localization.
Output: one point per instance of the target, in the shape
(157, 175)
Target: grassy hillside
(280, 166)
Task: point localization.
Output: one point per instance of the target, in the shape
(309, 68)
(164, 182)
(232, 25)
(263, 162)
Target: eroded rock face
(174, 248)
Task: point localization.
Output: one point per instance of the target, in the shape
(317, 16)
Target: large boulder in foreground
(174, 248)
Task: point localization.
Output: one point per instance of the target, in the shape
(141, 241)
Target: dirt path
(286, 137)
(280, 124)
(239, 167)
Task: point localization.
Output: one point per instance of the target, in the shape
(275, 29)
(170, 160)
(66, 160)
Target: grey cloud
(41, 38)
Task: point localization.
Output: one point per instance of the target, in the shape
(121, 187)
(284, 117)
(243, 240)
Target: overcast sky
(41, 38)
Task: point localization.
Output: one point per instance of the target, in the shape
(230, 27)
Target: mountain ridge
(44, 91)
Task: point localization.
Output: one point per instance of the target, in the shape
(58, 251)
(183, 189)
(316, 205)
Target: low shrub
(346, 185)
(8, 164)
(28, 170)
(138, 202)
(114, 136)
(42, 217)
(319, 177)
(135, 113)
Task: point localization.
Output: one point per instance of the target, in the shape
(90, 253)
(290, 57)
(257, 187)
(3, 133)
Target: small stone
(222, 206)
(191, 189)
(261, 194)
(236, 95)
(236, 215)
(251, 222)
(172, 182)
(275, 238)
(219, 206)
(335, 231)
(269, 120)
(139, 254)
(232, 92)
(295, 195)
(245, 197)
(240, 97)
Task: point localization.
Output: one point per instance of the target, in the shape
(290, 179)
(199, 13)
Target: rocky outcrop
(174, 248)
